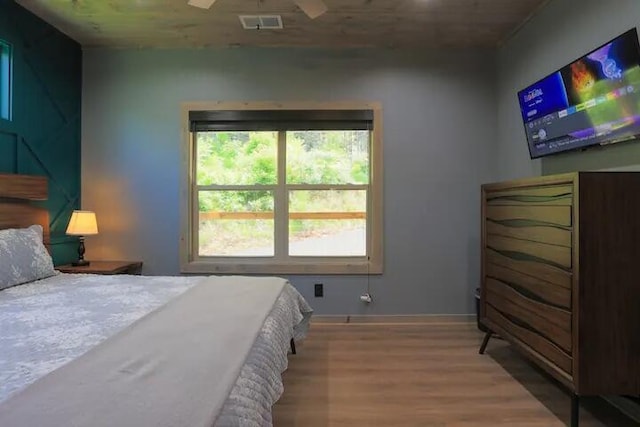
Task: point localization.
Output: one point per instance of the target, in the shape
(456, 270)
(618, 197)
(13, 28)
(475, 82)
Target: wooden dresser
(561, 276)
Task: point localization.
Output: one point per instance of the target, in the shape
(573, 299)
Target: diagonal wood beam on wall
(73, 119)
(45, 89)
(27, 47)
(47, 171)
(68, 207)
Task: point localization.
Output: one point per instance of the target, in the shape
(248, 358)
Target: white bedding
(46, 324)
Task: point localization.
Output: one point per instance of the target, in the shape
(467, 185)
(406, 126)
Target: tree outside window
(278, 193)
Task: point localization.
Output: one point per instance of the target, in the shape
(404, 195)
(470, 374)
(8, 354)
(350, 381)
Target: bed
(81, 349)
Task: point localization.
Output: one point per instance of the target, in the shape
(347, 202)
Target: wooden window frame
(190, 262)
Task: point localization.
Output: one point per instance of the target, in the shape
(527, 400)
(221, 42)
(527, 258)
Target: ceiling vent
(261, 22)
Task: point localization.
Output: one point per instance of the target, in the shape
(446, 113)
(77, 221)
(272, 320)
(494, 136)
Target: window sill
(320, 267)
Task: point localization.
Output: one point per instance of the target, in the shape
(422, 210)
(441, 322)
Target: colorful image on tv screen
(593, 100)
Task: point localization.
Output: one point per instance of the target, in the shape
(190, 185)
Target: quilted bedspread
(49, 323)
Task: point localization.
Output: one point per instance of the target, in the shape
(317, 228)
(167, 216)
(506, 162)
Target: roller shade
(276, 120)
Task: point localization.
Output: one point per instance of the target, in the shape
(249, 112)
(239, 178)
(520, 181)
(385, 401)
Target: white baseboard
(395, 319)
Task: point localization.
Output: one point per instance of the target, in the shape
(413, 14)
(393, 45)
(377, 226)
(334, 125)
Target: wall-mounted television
(595, 100)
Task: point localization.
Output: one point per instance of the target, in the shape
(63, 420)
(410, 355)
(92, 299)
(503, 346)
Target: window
(283, 190)
(5, 80)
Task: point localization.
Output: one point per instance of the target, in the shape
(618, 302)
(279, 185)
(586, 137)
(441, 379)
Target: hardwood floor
(422, 375)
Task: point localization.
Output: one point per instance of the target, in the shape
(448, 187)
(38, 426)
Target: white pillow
(23, 257)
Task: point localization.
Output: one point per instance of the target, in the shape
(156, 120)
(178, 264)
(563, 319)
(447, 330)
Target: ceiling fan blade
(202, 4)
(313, 8)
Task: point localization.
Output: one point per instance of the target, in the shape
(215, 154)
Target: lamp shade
(82, 223)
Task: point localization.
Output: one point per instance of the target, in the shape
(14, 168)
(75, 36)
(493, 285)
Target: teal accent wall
(43, 137)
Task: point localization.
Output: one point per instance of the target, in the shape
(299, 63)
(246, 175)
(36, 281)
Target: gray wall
(439, 136)
(560, 33)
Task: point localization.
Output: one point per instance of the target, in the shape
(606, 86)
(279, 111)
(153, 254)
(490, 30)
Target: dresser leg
(485, 341)
(293, 346)
(575, 410)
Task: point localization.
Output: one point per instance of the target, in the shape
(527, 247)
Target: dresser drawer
(532, 268)
(558, 195)
(518, 229)
(548, 321)
(536, 342)
(531, 286)
(526, 250)
(558, 216)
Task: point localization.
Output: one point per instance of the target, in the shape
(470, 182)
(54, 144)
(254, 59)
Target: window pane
(236, 223)
(240, 158)
(328, 157)
(5, 80)
(328, 223)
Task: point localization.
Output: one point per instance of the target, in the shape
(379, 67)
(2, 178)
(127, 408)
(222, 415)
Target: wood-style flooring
(422, 375)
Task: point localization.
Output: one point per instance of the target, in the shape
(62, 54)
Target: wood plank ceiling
(348, 23)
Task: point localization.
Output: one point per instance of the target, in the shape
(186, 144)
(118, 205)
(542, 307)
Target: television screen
(595, 100)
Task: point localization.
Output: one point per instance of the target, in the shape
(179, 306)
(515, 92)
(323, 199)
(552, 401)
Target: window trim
(6, 49)
(373, 264)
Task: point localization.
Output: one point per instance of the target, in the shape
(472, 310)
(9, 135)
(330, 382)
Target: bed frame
(16, 211)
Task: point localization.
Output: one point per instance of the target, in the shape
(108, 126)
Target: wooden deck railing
(204, 216)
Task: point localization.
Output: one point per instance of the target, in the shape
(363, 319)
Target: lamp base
(81, 261)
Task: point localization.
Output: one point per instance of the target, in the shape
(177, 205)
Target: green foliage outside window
(239, 220)
(250, 158)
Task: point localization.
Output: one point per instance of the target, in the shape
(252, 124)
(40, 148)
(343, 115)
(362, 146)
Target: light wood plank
(550, 235)
(421, 375)
(537, 342)
(204, 216)
(374, 24)
(558, 255)
(25, 187)
(394, 319)
(534, 269)
(556, 215)
(547, 291)
(559, 331)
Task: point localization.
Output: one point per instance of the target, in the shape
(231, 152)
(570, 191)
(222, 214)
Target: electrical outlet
(319, 290)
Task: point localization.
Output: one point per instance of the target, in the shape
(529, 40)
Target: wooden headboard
(16, 211)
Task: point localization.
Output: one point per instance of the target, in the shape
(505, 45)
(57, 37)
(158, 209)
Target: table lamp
(82, 223)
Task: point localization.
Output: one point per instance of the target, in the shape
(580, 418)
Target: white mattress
(46, 324)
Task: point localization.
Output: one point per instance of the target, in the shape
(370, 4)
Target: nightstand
(104, 267)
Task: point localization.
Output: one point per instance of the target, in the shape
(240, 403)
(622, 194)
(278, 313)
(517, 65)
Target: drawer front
(550, 322)
(535, 341)
(558, 195)
(518, 229)
(531, 286)
(526, 250)
(534, 216)
(540, 270)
